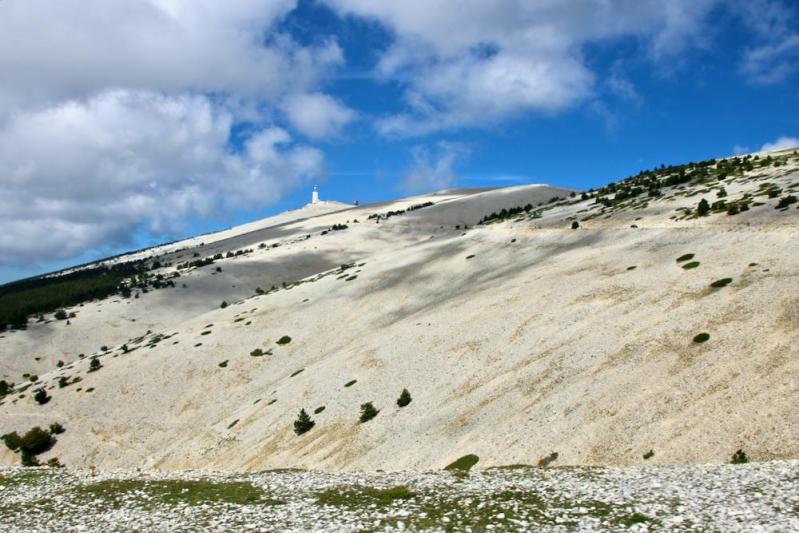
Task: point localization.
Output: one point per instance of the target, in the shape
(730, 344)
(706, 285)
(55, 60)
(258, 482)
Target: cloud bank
(119, 117)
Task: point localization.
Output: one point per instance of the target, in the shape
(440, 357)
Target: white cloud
(317, 115)
(433, 170)
(474, 63)
(774, 62)
(783, 143)
(50, 51)
(83, 175)
(116, 117)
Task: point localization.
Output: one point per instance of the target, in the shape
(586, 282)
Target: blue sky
(131, 122)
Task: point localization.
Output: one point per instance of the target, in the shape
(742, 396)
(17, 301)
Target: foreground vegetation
(741, 497)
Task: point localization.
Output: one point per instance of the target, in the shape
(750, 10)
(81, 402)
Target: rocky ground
(751, 497)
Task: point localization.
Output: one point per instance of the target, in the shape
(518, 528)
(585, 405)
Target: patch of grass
(686, 257)
(631, 520)
(723, 282)
(464, 464)
(702, 337)
(692, 264)
(363, 497)
(149, 494)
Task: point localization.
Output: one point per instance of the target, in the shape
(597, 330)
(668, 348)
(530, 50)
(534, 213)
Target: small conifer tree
(704, 208)
(404, 399)
(303, 424)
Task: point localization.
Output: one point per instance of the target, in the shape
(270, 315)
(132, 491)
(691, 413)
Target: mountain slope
(516, 338)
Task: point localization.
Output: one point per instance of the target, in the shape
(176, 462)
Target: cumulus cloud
(433, 169)
(82, 174)
(475, 63)
(116, 117)
(783, 143)
(317, 115)
(168, 45)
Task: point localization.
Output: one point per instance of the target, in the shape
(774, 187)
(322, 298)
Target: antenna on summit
(315, 196)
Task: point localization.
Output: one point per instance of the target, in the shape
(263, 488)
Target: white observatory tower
(315, 196)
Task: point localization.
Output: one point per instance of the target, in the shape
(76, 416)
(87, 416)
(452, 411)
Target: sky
(127, 123)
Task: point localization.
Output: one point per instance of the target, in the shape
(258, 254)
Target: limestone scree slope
(516, 338)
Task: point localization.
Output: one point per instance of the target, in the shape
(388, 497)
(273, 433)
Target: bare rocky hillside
(656, 316)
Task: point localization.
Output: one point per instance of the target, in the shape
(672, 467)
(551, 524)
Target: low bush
(691, 265)
(94, 365)
(649, 455)
(5, 387)
(685, 257)
(404, 398)
(56, 428)
(223, 364)
(463, 464)
(36, 441)
(223, 304)
(351, 383)
(285, 339)
(303, 424)
(41, 397)
(785, 201)
(368, 412)
(702, 337)
(575, 224)
(257, 352)
(739, 458)
(723, 282)
(319, 409)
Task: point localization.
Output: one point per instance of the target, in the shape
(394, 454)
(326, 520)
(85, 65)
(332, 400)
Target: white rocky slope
(516, 339)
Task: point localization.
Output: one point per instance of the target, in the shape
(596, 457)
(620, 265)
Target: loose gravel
(749, 497)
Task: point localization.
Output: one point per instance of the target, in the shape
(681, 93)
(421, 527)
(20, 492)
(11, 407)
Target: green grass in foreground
(363, 496)
(170, 492)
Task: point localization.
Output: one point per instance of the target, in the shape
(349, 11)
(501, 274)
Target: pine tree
(704, 208)
(303, 424)
(404, 399)
(368, 412)
(94, 364)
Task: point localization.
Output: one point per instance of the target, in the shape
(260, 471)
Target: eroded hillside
(565, 324)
